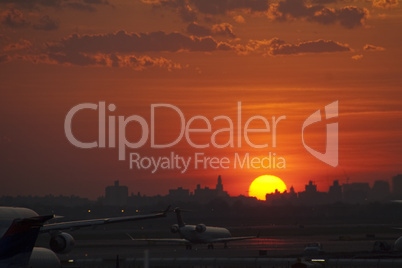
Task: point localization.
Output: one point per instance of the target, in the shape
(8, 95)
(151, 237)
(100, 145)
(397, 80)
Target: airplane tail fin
(166, 210)
(18, 241)
(180, 221)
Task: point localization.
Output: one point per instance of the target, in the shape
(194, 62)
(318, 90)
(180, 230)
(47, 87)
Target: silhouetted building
(311, 196)
(282, 199)
(206, 194)
(380, 191)
(116, 195)
(335, 192)
(311, 187)
(219, 185)
(356, 192)
(179, 194)
(397, 186)
(292, 194)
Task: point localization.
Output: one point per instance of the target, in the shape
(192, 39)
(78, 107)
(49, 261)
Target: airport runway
(99, 248)
(278, 247)
(105, 251)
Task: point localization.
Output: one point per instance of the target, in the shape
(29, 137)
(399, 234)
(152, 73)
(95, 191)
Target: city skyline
(381, 190)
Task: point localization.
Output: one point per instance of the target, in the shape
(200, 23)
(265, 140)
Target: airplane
(398, 243)
(20, 227)
(197, 234)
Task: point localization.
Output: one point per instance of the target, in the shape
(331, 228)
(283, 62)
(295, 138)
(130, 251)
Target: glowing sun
(266, 184)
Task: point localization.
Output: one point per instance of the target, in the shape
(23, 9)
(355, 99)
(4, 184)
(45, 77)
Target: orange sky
(278, 58)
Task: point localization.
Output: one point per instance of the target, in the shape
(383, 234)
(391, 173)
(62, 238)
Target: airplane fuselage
(189, 233)
(8, 214)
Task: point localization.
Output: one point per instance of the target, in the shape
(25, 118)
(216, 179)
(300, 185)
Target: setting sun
(266, 184)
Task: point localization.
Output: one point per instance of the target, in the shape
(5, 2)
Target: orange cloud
(277, 46)
(318, 46)
(123, 42)
(349, 16)
(239, 19)
(223, 29)
(368, 47)
(20, 45)
(137, 63)
(357, 57)
(385, 3)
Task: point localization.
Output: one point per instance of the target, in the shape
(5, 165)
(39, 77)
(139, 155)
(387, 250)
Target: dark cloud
(123, 42)
(138, 63)
(80, 6)
(14, 18)
(3, 58)
(31, 4)
(198, 30)
(182, 7)
(324, 2)
(295, 9)
(83, 5)
(115, 50)
(76, 58)
(222, 29)
(96, 2)
(223, 6)
(188, 9)
(46, 24)
(187, 13)
(349, 17)
(318, 46)
(373, 48)
(314, 10)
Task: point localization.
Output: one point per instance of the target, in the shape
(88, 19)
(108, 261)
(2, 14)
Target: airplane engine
(398, 244)
(174, 228)
(200, 228)
(62, 243)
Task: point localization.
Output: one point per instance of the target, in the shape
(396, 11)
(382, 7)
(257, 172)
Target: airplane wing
(163, 240)
(229, 239)
(73, 225)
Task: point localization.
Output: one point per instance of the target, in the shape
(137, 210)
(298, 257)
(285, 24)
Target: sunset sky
(209, 59)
